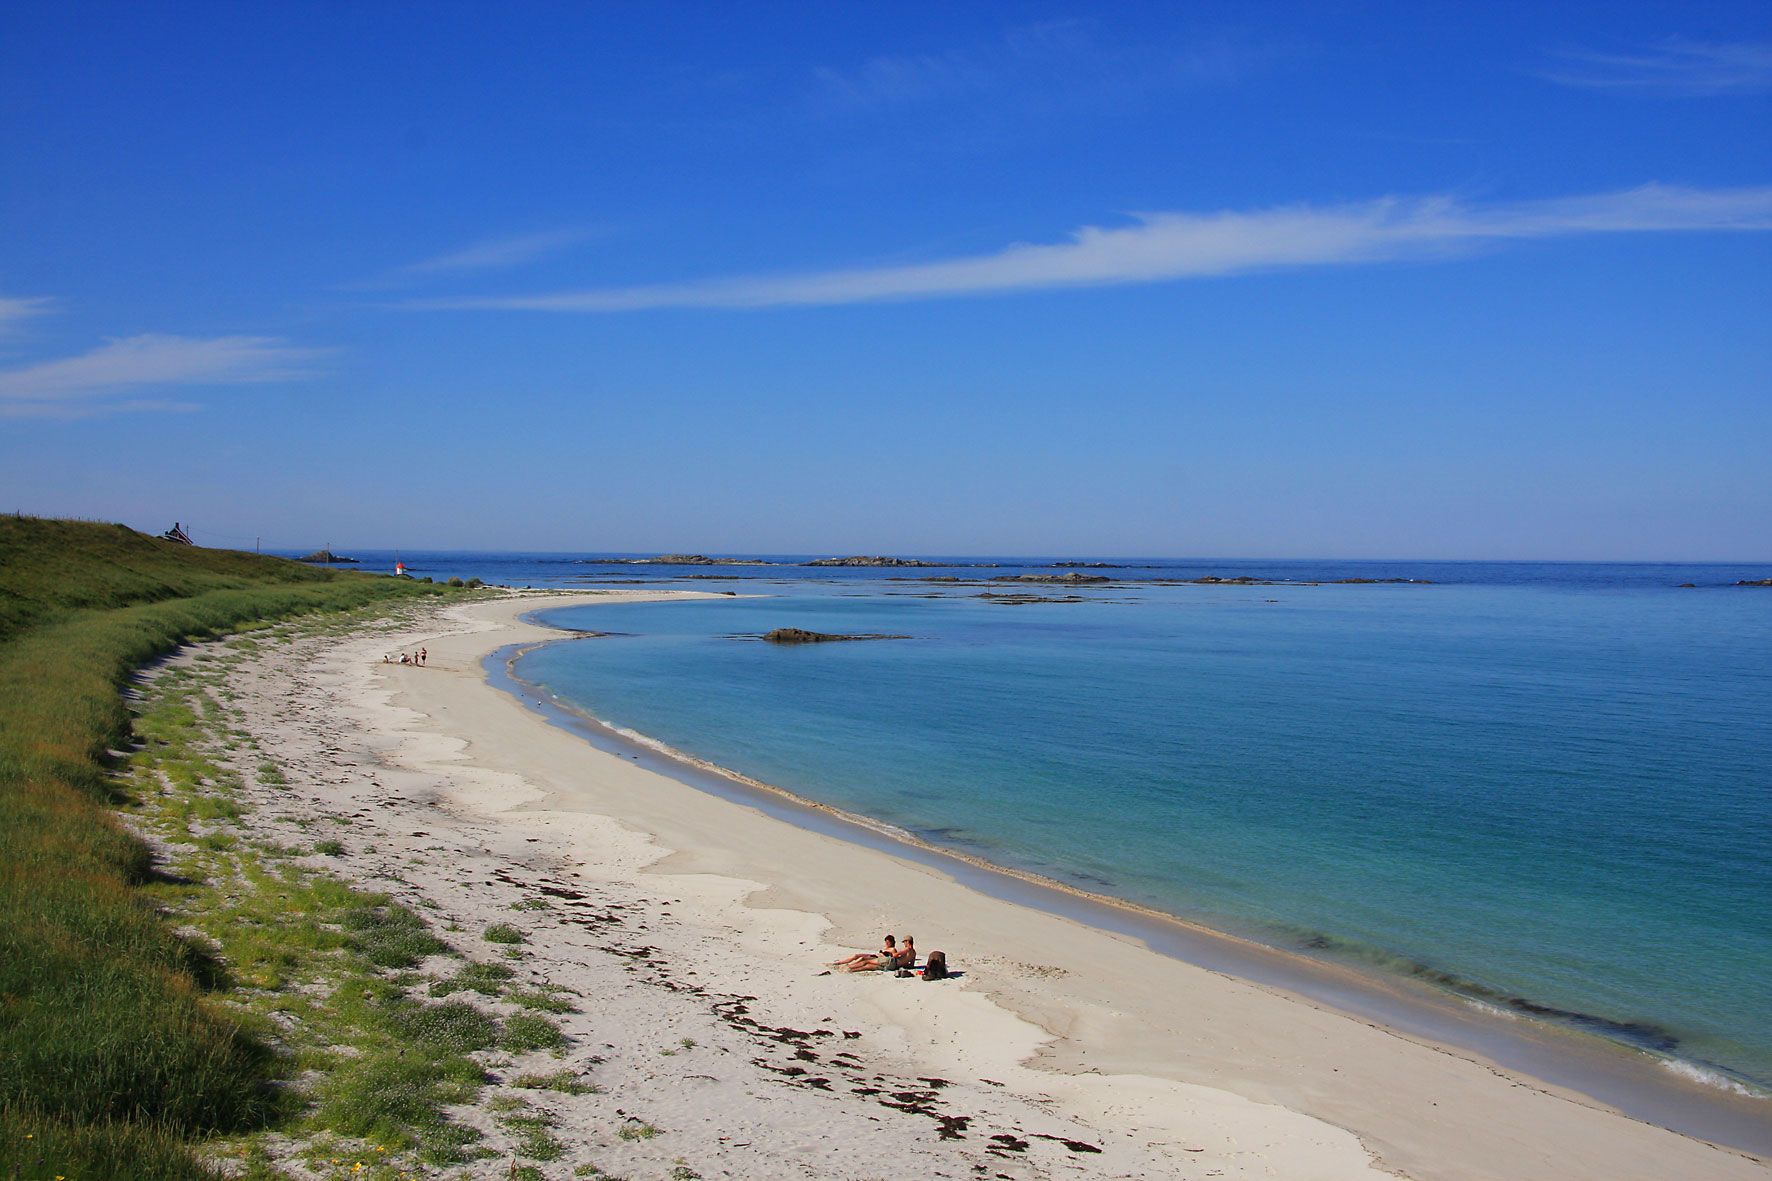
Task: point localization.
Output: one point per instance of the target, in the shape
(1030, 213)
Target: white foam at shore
(1710, 1077)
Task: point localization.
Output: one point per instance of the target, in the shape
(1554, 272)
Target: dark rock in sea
(1088, 565)
(1761, 582)
(1376, 581)
(688, 560)
(1250, 580)
(794, 635)
(1072, 578)
(876, 561)
(1687, 586)
(1020, 599)
(328, 558)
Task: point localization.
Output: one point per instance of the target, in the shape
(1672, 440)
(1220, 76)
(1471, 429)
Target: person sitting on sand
(906, 958)
(403, 659)
(888, 953)
(936, 966)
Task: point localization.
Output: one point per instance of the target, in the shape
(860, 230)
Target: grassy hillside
(111, 1057)
(47, 567)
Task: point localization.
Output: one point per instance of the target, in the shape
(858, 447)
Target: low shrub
(530, 1031)
(390, 936)
(485, 979)
(453, 1027)
(547, 1002)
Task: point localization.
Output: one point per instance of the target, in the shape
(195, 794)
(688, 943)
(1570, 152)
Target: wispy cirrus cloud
(99, 381)
(496, 253)
(1160, 247)
(1034, 67)
(1673, 67)
(488, 254)
(14, 310)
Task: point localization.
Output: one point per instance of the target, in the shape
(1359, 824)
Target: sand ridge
(682, 918)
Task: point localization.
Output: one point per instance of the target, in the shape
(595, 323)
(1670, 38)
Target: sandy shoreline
(1061, 1038)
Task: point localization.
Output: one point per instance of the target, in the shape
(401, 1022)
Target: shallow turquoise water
(1554, 793)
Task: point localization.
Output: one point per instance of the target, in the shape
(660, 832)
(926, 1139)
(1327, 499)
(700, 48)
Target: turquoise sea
(1543, 787)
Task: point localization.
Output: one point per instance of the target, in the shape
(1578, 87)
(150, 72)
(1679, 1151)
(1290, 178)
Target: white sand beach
(695, 929)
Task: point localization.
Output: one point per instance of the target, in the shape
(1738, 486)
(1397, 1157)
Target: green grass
(115, 1054)
(390, 936)
(567, 1082)
(50, 568)
(547, 1002)
(503, 933)
(524, 1032)
(454, 1027)
(485, 979)
(329, 961)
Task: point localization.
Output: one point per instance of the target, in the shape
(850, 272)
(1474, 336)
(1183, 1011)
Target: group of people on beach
(898, 958)
(419, 657)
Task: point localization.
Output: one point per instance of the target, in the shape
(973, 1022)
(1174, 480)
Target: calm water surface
(1546, 786)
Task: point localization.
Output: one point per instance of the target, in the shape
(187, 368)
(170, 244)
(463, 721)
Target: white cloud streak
(14, 310)
(1053, 63)
(1674, 67)
(497, 253)
(1161, 247)
(95, 382)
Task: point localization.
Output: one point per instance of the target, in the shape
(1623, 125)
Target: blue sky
(1363, 280)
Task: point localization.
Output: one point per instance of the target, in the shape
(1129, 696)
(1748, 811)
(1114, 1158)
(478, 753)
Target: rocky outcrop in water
(328, 558)
(683, 560)
(875, 561)
(1248, 580)
(794, 635)
(1071, 578)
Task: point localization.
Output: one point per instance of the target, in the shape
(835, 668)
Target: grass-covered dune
(111, 1056)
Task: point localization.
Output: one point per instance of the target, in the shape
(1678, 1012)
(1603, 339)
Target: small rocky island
(1072, 578)
(326, 557)
(704, 560)
(794, 635)
(874, 561)
(680, 560)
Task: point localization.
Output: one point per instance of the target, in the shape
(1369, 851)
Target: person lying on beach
(887, 953)
(870, 963)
